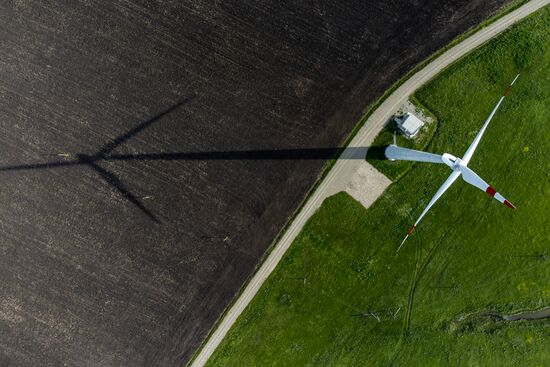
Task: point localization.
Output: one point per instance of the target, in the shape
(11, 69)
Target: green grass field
(341, 296)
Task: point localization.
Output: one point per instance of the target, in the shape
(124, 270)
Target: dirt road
(340, 174)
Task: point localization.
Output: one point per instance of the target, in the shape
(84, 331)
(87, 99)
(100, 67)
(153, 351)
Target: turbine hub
(451, 161)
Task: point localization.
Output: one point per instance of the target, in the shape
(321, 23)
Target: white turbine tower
(459, 166)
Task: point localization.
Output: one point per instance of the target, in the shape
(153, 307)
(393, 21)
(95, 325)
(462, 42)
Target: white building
(409, 124)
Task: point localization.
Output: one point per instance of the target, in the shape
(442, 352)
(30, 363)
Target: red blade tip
(509, 204)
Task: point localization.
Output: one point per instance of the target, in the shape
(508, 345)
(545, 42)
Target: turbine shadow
(104, 154)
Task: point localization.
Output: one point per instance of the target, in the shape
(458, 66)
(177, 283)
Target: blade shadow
(46, 165)
(89, 161)
(103, 154)
(115, 182)
(104, 151)
(121, 139)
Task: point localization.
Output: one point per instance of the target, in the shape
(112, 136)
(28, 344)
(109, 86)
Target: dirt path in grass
(339, 177)
(526, 315)
(529, 315)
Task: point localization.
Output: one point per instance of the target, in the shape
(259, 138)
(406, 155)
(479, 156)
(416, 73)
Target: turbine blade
(409, 233)
(394, 153)
(473, 179)
(470, 152)
(448, 182)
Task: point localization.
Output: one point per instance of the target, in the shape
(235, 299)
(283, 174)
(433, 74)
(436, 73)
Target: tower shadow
(262, 154)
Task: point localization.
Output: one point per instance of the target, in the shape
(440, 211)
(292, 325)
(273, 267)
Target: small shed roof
(410, 124)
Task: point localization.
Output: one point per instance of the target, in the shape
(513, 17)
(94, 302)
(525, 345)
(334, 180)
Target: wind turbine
(459, 166)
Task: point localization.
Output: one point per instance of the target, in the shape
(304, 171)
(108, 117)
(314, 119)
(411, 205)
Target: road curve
(340, 173)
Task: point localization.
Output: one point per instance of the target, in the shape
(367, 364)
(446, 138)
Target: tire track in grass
(400, 342)
(417, 275)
